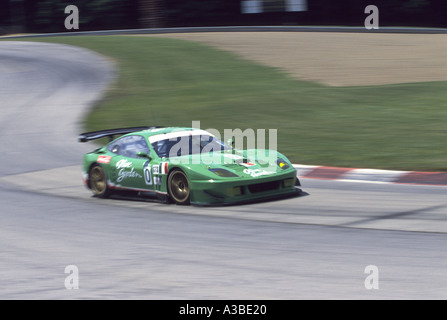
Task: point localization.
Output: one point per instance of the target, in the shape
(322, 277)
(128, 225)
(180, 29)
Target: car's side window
(115, 147)
(131, 145)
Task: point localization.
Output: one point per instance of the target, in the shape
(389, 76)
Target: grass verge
(173, 82)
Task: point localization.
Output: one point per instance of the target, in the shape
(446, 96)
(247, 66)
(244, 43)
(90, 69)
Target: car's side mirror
(231, 142)
(141, 154)
(116, 149)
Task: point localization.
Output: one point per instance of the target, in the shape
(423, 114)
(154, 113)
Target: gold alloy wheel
(179, 187)
(98, 181)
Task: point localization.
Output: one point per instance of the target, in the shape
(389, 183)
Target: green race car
(184, 166)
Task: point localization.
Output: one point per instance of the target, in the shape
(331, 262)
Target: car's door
(129, 170)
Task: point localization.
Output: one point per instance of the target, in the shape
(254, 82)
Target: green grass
(173, 82)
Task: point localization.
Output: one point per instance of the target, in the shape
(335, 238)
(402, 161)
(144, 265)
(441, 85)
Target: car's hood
(227, 164)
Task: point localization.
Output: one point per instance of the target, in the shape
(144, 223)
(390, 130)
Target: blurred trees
(439, 10)
(430, 13)
(203, 12)
(48, 15)
(392, 12)
(152, 13)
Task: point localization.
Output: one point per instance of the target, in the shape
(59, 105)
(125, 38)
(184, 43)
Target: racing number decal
(148, 174)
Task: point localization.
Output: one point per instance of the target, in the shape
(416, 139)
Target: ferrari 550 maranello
(184, 166)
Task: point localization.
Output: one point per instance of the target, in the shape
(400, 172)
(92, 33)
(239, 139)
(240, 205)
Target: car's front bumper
(221, 192)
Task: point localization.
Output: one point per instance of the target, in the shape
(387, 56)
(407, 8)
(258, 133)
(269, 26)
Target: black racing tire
(97, 179)
(178, 187)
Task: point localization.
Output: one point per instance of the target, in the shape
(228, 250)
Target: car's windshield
(188, 145)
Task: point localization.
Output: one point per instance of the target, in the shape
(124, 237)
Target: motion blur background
(353, 100)
(356, 97)
(44, 15)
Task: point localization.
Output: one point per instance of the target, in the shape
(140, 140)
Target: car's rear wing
(110, 133)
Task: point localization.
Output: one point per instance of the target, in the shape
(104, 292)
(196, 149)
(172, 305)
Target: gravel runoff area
(338, 59)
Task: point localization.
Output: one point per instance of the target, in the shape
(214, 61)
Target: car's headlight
(283, 164)
(223, 173)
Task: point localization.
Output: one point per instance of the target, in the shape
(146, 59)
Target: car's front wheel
(178, 187)
(98, 181)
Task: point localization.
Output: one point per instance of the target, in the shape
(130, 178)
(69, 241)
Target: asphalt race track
(312, 247)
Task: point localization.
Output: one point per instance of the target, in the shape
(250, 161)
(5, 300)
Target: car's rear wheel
(178, 187)
(98, 181)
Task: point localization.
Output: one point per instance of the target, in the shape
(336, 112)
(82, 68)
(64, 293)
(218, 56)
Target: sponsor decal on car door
(128, 172)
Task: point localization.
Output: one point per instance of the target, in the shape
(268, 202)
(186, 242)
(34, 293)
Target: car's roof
(156, 131)
(156, 134)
